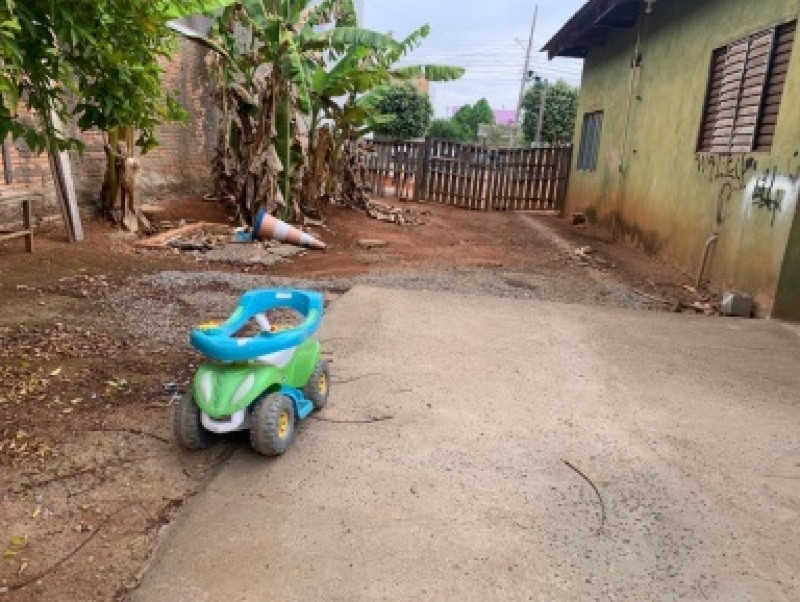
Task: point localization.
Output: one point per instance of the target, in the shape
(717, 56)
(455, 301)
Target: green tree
(94, 63)
(561, 107)
(411, 109)
(449, 129)
(472, 116)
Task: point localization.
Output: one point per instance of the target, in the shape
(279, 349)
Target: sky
(486, 37)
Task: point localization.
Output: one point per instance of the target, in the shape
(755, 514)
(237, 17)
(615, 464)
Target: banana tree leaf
(434, 73)
(409, 43)
(176, 10)
(357, 36)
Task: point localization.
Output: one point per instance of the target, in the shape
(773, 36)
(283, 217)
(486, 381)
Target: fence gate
(471, 176)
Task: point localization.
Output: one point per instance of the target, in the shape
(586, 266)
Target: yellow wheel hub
(283, 424)
(322, 384)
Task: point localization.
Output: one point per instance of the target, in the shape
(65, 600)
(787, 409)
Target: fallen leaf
(56, 372)
(37, 512)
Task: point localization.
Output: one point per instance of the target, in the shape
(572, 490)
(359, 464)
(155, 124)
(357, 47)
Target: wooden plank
(494, 180)
(537, 175)
(557, 158)
(530, 180)
(553, 178)
(472, 179)
(533, 202)
(484, 180)
(566, 162)
(512, 178)
(454, 165)
(461, 188)
(509, 194)
(466, 164)
(502, 189)
(448, 179)
(456, 174)
(27, 224)
(8, 166)
(527, 201)
(780, 69)
(420, 165)
(445, 162)
(522, 179)
(13, 235)
(526, 179)
(546, 177)
(65, 185)
(433, 160)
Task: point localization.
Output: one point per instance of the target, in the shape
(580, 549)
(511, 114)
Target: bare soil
(93, 353)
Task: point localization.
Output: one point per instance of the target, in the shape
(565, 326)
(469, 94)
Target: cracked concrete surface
(687, 426)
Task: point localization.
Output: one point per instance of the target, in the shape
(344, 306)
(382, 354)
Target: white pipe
(263, 322)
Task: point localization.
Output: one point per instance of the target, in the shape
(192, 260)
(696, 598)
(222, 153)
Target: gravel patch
(168, 304)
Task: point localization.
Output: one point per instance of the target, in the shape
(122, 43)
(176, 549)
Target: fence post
(566, 171)
(421, 176)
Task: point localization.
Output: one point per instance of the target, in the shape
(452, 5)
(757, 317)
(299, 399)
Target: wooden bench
(25, 198)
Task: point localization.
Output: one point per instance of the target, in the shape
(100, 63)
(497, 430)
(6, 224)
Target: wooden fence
(471, 176)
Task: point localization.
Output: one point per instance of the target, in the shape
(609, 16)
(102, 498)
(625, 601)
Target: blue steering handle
(219, 343)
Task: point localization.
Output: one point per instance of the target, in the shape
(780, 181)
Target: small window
(590, 140)
(745, 88)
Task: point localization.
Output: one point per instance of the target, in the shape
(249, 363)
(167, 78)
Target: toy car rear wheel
(187, 425)
(272, 425)
(319, 385)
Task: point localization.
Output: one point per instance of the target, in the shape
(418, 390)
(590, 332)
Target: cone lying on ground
(266, 226)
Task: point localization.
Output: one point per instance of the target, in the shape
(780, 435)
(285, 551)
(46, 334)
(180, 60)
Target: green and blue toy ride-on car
(263, 383)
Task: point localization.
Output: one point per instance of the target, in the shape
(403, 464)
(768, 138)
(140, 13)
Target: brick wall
(179, 166)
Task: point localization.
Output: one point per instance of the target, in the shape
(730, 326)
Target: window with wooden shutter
(745, 87)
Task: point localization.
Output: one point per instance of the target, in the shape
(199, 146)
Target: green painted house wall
(652, 186)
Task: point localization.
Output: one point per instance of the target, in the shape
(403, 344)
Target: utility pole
(527, 68)
(542, 108)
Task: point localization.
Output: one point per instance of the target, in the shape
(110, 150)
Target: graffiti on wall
(774, 192)
(772, 189)
(733, 169)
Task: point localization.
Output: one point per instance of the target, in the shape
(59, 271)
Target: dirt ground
(93, 353)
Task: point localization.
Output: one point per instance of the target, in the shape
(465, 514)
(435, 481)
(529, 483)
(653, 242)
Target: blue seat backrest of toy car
(220, 343)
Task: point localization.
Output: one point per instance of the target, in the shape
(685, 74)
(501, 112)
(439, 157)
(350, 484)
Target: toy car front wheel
(319, 385)
(272, 425)
(187, 425)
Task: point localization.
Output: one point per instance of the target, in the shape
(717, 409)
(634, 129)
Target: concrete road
(688, 427)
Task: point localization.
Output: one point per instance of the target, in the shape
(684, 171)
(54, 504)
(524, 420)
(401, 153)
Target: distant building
(501, 116)
(505, 116)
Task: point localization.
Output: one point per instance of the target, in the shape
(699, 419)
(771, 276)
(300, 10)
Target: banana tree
(293, 64)
(263, 94)
(346, 90)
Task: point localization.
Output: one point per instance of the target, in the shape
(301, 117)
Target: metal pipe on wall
(705, 263)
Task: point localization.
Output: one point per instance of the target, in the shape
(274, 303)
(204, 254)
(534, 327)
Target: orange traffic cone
(266, 226)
